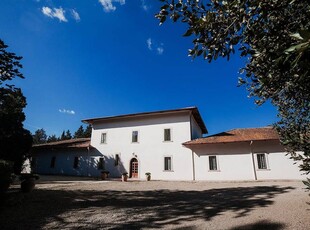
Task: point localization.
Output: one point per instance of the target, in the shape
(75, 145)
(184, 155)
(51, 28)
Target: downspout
(87, 161)
(253, 162)
(193, 157)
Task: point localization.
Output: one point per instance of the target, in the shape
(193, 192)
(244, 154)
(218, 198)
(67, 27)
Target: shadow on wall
(77, 163)
(111, 164)
(136, 209)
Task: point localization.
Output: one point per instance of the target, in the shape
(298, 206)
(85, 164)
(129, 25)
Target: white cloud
(153, 45)
(67, 111)
(160, 50)
(75, 15)
(149, 43)
(108, 4)
(55, 13)
(144, 5)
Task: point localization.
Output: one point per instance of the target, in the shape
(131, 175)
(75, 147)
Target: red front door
(134, 168)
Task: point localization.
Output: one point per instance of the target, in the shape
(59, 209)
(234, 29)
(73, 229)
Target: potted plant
(124, 177)
(28, 181)
(148, 176)
(104, 174)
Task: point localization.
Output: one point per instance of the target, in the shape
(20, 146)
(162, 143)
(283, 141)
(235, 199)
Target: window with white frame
(167, 134)
(213, 163)
(135, 136)
(103, 138)
(261, 161)
(168, 163)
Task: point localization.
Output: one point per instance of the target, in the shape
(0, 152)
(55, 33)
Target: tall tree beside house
(274, 38)
(39, 136)
(15, 141)
(79, 133)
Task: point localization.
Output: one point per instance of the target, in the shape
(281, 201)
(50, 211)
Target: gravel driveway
(70, 203)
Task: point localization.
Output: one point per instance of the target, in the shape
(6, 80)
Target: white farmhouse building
(170, 145)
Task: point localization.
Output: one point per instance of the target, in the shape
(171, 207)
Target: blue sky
(94, 58)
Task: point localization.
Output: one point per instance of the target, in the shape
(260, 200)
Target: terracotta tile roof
(72, 143)
(238, 135)
(193, 110)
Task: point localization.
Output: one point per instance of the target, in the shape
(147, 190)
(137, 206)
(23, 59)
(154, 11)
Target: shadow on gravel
(132, 209)
(265, 225)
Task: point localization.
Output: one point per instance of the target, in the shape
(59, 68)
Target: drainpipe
(88, 161)
(253, 162)
(191, 130)
(193, 165)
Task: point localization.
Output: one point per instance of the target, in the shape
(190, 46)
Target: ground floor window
(53, 162)
(213, 163)
(100, 163)
(76, 162)
(116, 161)
(261, 161)
(167, 163)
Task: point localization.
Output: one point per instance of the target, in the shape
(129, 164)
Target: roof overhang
(193, 110)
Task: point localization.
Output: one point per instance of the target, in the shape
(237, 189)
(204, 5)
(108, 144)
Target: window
(100, 163)
(116, 162)
(261, 161)
(76, 162)
(167, 134)
(53, 162)
(167, 163)
(212, 163)
(135, 136)
(103, 138)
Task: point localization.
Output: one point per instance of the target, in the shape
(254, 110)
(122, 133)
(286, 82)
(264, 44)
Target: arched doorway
(134, 168)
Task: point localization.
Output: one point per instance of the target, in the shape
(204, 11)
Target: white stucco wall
(196, 130)
(151, 147)
(235, 162)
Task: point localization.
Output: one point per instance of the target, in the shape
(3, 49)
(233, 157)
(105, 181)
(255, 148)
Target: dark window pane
(261, 161)
(53, 162)
(76, 162)
(167, 135)
(212, 163)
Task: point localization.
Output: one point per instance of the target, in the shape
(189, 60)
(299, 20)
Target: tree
(39, 137)
(88, 130)
(15, 141)
(52, 138)
(66, 135)
(79, 133)
(274, 37)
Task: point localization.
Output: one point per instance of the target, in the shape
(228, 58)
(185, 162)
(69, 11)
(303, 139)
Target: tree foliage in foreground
(274, 37)
(15, 141)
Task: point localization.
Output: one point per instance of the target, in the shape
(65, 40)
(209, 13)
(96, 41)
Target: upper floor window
(213, 163)
(135, 136)
(167, 134)
(103, 138)
(261, 161)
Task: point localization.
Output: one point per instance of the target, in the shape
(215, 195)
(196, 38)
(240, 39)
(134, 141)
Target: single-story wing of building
(170, 145)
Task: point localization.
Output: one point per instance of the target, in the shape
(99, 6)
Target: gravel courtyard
(70, 203)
